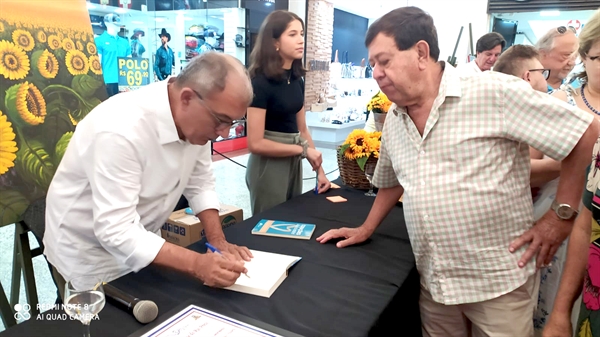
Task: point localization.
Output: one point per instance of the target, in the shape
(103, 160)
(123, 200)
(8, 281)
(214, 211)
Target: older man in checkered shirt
(457, 147)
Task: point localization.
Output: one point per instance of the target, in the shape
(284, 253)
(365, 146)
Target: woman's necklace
(289, 77)
(586, 101)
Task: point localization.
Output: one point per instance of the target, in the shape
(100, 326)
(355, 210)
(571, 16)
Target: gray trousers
(274, 180)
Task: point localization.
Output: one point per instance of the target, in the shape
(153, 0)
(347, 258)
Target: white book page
(265, 269)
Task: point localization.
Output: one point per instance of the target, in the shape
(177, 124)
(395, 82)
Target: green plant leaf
(361, 162)
(61, 147)
(12, 206)
(85, 85)
(343, 149)
(34, 164)
(74, 104)
(56, 124)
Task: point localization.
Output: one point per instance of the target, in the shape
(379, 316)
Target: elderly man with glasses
(558, 52)
(128, 163)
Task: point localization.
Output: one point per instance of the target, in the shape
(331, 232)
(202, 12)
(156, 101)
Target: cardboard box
(184, 229)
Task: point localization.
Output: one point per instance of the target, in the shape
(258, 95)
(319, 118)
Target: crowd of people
(492, 159)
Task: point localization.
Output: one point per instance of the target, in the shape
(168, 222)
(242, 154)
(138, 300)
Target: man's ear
(527, 76)
(186, 96)
(422, 49)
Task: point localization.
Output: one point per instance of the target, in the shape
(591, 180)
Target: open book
(266, 272)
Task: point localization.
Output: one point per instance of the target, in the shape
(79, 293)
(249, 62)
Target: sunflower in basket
(379, 103)
(360, 145)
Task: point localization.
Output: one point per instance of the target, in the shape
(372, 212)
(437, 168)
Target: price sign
(134, 72)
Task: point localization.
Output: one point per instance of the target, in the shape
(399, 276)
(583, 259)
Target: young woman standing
(278, 138)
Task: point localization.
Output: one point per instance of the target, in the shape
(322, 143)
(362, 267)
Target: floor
(231, 188)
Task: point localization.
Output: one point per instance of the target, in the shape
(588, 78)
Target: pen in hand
(317, 183)
(217, 251)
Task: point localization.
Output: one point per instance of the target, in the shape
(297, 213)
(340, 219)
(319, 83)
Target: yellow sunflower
(84, 37)
(14, 63)
(8, 146)
(54, 42)
(71, 36)
(1, 27)
(29, 103)
(95, 65)
(77, 63)
(48, 65)
(91, 48)
(79, 45)
(60, 35)
(68, 44)
(23, 39)
(41, 36)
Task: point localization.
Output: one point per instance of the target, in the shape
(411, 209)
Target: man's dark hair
(489, 41)
(511, 61)
(407, 26)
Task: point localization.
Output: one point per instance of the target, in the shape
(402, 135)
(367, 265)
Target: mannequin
(110, 47)
(165, 58)
(137, 48)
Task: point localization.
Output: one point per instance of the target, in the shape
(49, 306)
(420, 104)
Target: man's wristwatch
(564, 211)
(304, 144)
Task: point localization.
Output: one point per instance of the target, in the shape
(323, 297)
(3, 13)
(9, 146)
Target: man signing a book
(126, 166)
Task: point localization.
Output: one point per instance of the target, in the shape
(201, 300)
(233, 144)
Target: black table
(370, 289)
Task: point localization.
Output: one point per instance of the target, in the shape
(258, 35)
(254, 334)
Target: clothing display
(164, 58)
(110, 47)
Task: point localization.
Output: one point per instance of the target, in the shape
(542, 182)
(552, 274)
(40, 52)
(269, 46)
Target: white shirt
(471, 68)
(121, 176)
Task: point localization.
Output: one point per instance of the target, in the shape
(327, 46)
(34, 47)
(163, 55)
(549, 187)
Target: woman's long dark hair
(265, 59)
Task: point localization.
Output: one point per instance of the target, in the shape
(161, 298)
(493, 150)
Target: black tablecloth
(368, 289)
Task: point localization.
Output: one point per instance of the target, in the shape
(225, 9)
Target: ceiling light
(159, 19)
(121, 10)
(549, 13)
(90, 5)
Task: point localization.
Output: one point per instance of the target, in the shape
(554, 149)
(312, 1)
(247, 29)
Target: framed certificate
(192, 320)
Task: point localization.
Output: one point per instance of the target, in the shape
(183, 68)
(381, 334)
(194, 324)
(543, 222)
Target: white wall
(447, 19)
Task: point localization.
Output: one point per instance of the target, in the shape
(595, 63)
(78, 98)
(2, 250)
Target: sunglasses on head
(563, 29)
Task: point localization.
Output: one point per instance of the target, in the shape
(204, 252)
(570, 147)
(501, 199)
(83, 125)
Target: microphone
(144, 311)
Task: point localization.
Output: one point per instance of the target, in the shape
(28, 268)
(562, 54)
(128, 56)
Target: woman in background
(582, 267)
(278, 138)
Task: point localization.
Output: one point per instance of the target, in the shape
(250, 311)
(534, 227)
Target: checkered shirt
(466, 180)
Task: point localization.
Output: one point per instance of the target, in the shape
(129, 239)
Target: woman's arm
(257, 144)
(323, 182)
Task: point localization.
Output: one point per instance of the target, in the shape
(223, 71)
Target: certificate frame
(169, 318)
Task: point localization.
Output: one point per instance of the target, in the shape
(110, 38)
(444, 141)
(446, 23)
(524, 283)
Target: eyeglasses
(563, 29)
(221, 124)
(545, 72)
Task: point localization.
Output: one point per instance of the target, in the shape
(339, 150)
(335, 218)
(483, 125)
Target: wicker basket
(351, 173)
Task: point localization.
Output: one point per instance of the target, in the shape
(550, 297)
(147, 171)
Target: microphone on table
(144, 311)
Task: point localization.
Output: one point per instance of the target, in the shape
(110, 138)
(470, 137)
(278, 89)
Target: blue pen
(216, 250)
(317, 183)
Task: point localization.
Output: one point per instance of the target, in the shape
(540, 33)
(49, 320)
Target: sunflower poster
(50, 79)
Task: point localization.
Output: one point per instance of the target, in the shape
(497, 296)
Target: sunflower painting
(50, 79)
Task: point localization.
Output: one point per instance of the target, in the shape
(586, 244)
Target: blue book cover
(284, 229)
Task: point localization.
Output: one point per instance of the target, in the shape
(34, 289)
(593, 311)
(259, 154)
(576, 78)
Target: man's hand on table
(352, 236)
(238, 252)
(217, 270)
